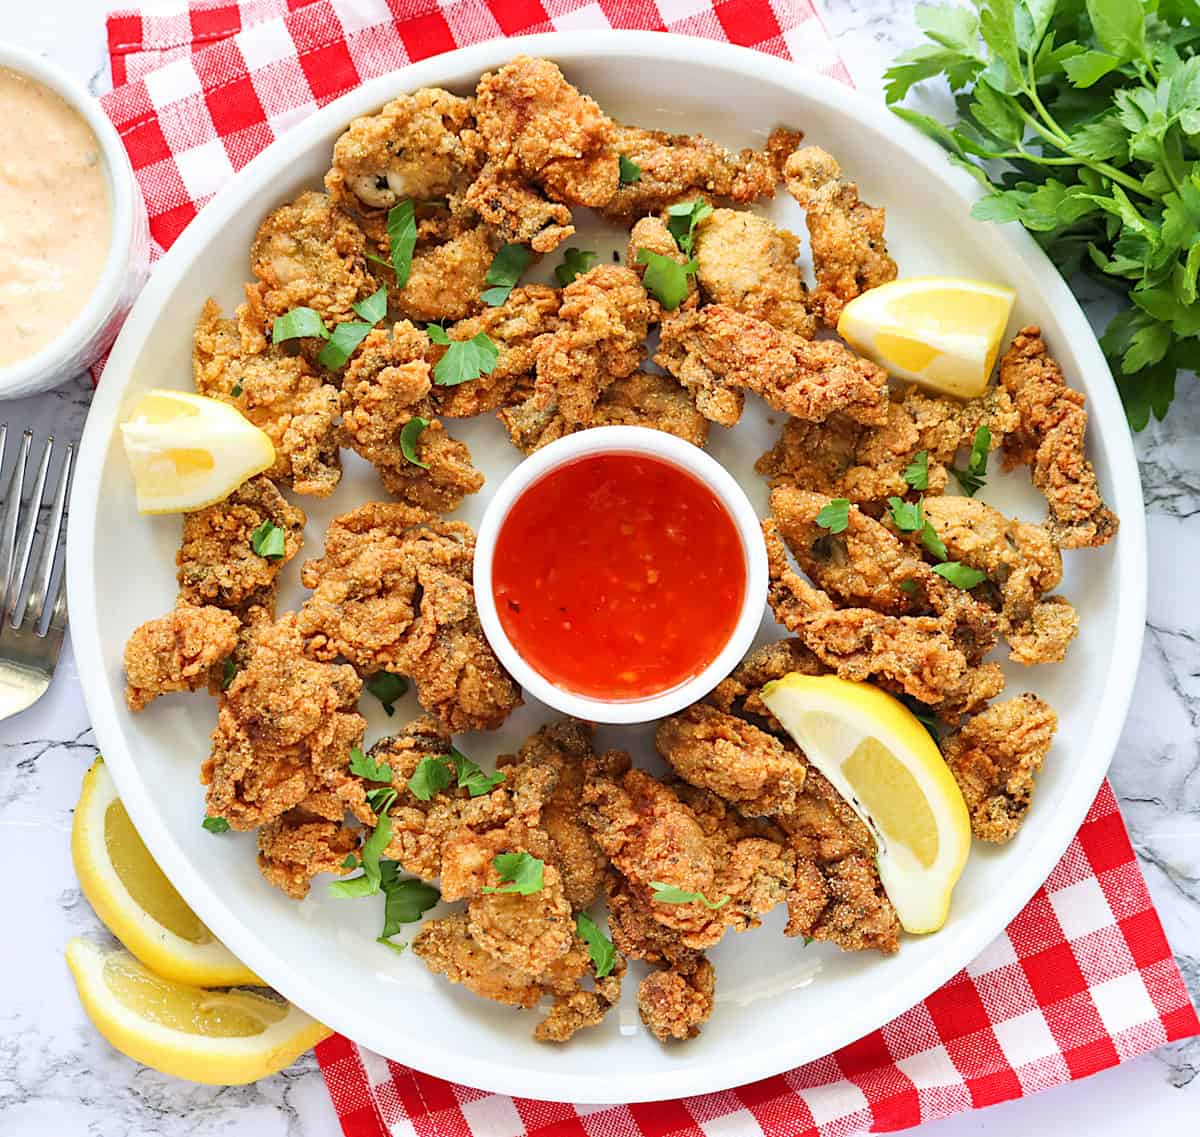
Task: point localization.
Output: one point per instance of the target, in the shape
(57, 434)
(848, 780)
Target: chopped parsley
(575, 263)
(380, 799)
(519, 873)
(835, 516)
(600, 947)
(215, 824)
(367, 884)
(665, 279)
(682, 219)
(342, 344)
(507, 266)
(409, 433)
(908, 516)
(435, 772)
(974, 477)
(933, 542)
(431, 776)
(909, 586)
(387, 688)
(670, 894)
(268, 541)
(407, 899)
(228, 672)
(402, 239)
(464, 359)
(630, 172)
(374, 307)
(299, 323)
(364, 766)
(351, 861)
(916, 473)
(961, 576)
(399, 948)
(471, 777)
(236, 390)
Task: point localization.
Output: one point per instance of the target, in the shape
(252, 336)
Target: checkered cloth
(1082, 979)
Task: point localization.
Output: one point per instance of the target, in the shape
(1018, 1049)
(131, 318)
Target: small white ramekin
(624, 440)
(82, 341)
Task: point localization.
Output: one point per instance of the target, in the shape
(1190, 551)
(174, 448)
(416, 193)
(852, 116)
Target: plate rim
(686, 1078)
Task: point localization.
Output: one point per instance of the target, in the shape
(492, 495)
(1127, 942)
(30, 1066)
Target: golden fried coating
(176, 651)
(297, 846)
(448, 270)
(995, 758)
(749, 264)
(526, 933)
(421, 146)
(848, 247)
(716, 751)
(217, 562)
(386, 385)
(635, 931)
(1049, 438)
(279, 393)
(741, 691)
(309, 253)
(284, 733)
(536, 126)
(865, 464)
(715, 351)
(517, 211)
(688, 839)
(675, 167)
(393, 593)
(674, 1002)
(836, 894)
(1022, 563)
(581, 1008)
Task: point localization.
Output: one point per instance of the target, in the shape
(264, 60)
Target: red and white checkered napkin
(1081, 980)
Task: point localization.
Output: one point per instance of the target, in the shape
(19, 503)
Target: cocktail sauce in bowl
(620, 574)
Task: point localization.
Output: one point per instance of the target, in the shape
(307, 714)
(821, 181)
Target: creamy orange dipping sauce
(55, 216)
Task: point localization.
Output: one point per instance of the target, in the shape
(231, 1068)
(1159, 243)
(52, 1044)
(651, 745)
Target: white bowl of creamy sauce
(73, 237)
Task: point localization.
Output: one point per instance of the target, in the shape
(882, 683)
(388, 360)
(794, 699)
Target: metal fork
(32, 583)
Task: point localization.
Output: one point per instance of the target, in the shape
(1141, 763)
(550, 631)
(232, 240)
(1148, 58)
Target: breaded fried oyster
(176, 652)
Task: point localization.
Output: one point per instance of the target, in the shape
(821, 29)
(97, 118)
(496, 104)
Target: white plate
(779, 1004)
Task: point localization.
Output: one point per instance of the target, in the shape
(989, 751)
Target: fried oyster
(176, 652)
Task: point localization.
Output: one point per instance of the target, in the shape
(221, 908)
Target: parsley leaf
(215, 824)
(409, 433)
(406, 900)
(630, 173)
(908, 516)
(575, 263)
(236, 390)
(835, 516)
(974, 476)
(682, 219)
(299, 323)
(909, 586)
(367, 884)
(228, 672)
(381, 799)
(519, 873)
(268, 540)
(507, 266)
(364, 766)
(933, 542)
(464, 359)
(431, 776)
(961, 576)
(670, 894)
(402, 239)
(342, 344)
(399, 948)
(351, 861)
(916, 473)
(665, 279)
(374, 307)
(387, 688)
(471, 777)
(600, 947)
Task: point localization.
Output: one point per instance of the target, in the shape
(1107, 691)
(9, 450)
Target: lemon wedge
(135, 900)
(223, 1038)
(940, 331)
(883, 762)
(187, 451)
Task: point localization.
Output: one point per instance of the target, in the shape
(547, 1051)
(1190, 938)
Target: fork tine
(51, 538)
(14, 604)
(12, 511)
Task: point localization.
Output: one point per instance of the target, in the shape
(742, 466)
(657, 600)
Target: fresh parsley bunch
(1082, 117)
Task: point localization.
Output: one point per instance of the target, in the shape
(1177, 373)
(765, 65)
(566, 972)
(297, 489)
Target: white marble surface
(58, 1078)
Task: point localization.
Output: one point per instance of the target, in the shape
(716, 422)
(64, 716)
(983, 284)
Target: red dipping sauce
(618, 576)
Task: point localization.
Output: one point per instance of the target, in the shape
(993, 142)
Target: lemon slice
(187, 451)
(223, 1038)
(883, 762)
(135, 900)
(940, 331)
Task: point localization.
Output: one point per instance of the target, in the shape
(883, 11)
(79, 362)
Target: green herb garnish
(268, 541)
(961, 576)
(299, 323)
(909, 586)
(507, 266)
(432, 775)
(908, 516)
(471, 777)
(350, 862)
(575, 263)
(399, 948)
(402, 239)
(630, 172)
(364, 766)
(682, 219)
(374, 307)
(368, 883)
(464, 359)
(916, 473)
(665, 279)
(835, 516)
(407, 899)
(409, 433)
(215, 824)
(670, 894)
(228, 673)
(380, 799)
(600, 947)
(387, 688)
(342, 344)
(519, 873)
(933, 542)
(236, 390)
(974, 476)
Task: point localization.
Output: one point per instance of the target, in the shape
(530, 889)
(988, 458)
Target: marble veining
(59, 1078)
